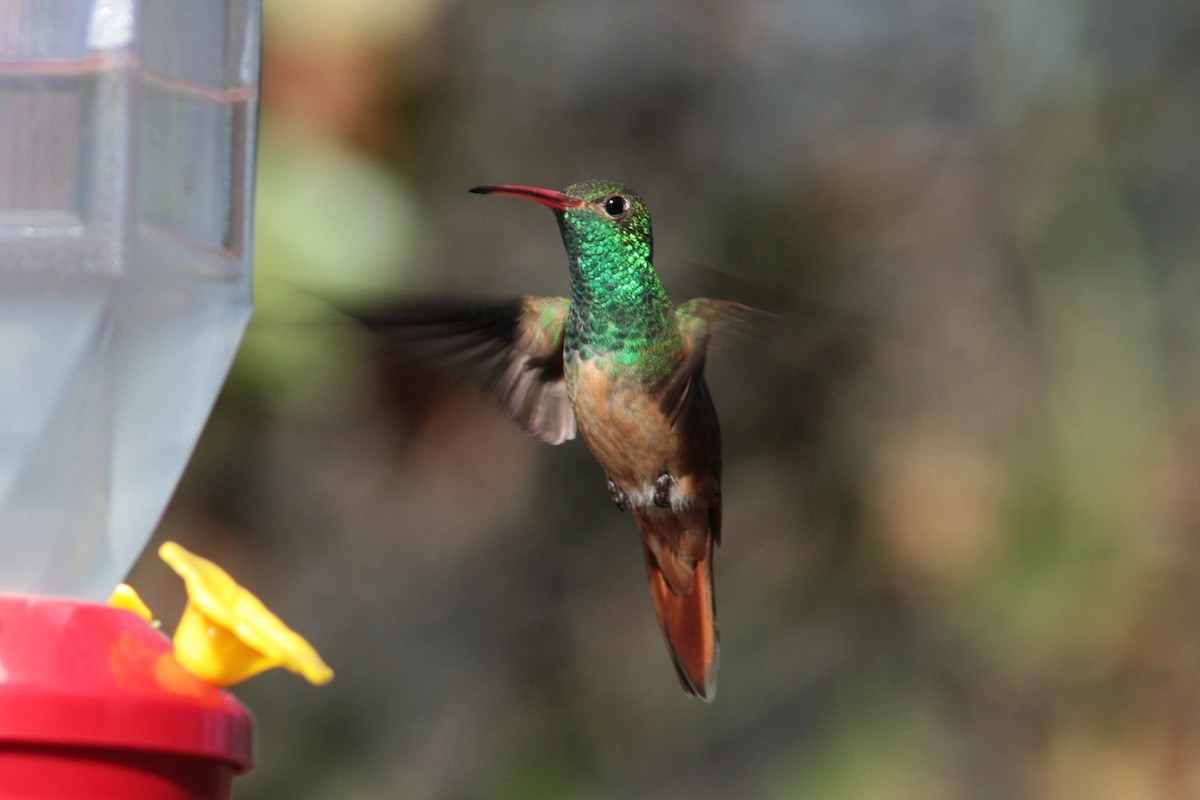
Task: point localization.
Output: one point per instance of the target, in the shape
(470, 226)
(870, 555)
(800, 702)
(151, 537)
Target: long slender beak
(547, 197)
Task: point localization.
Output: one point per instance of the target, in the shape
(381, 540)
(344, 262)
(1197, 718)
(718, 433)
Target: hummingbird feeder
(127, 151)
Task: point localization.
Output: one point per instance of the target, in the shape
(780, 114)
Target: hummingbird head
(617, 300)
(602, 222)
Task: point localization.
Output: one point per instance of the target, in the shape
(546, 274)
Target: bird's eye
(615, 206)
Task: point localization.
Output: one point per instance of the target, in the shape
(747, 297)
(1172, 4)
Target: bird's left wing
(698, 320)
(513, 350)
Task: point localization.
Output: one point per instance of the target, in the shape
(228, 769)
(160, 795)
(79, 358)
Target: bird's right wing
(512, 349)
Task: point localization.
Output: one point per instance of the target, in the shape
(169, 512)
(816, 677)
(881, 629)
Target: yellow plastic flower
(226, 634)
(124, 596)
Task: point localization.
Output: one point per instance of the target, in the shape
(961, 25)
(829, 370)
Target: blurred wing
(698, 319)
(512, 350)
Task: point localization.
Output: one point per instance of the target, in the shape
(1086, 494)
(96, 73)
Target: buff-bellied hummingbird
(620, 365)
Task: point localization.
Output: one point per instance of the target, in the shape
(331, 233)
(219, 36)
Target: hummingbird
(620, 365)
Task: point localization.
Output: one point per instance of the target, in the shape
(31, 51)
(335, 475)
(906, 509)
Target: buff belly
(629, 435)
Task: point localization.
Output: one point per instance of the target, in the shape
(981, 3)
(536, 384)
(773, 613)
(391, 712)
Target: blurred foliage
(962, 542)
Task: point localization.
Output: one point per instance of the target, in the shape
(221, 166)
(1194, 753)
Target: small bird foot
(662, 490)
(619, 497)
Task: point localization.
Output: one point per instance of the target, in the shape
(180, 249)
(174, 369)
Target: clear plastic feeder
(127, 146)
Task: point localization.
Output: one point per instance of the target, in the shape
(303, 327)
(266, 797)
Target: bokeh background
(962, 481)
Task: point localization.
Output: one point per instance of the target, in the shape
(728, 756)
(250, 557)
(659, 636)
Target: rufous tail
(688, 616)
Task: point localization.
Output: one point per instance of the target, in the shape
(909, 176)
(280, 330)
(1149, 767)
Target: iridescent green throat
(621, 315)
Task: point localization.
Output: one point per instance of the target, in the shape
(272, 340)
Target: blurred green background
(962, 481)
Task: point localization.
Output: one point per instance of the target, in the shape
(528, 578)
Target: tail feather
(689, 623)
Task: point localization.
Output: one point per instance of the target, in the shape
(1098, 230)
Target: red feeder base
(93, 705)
